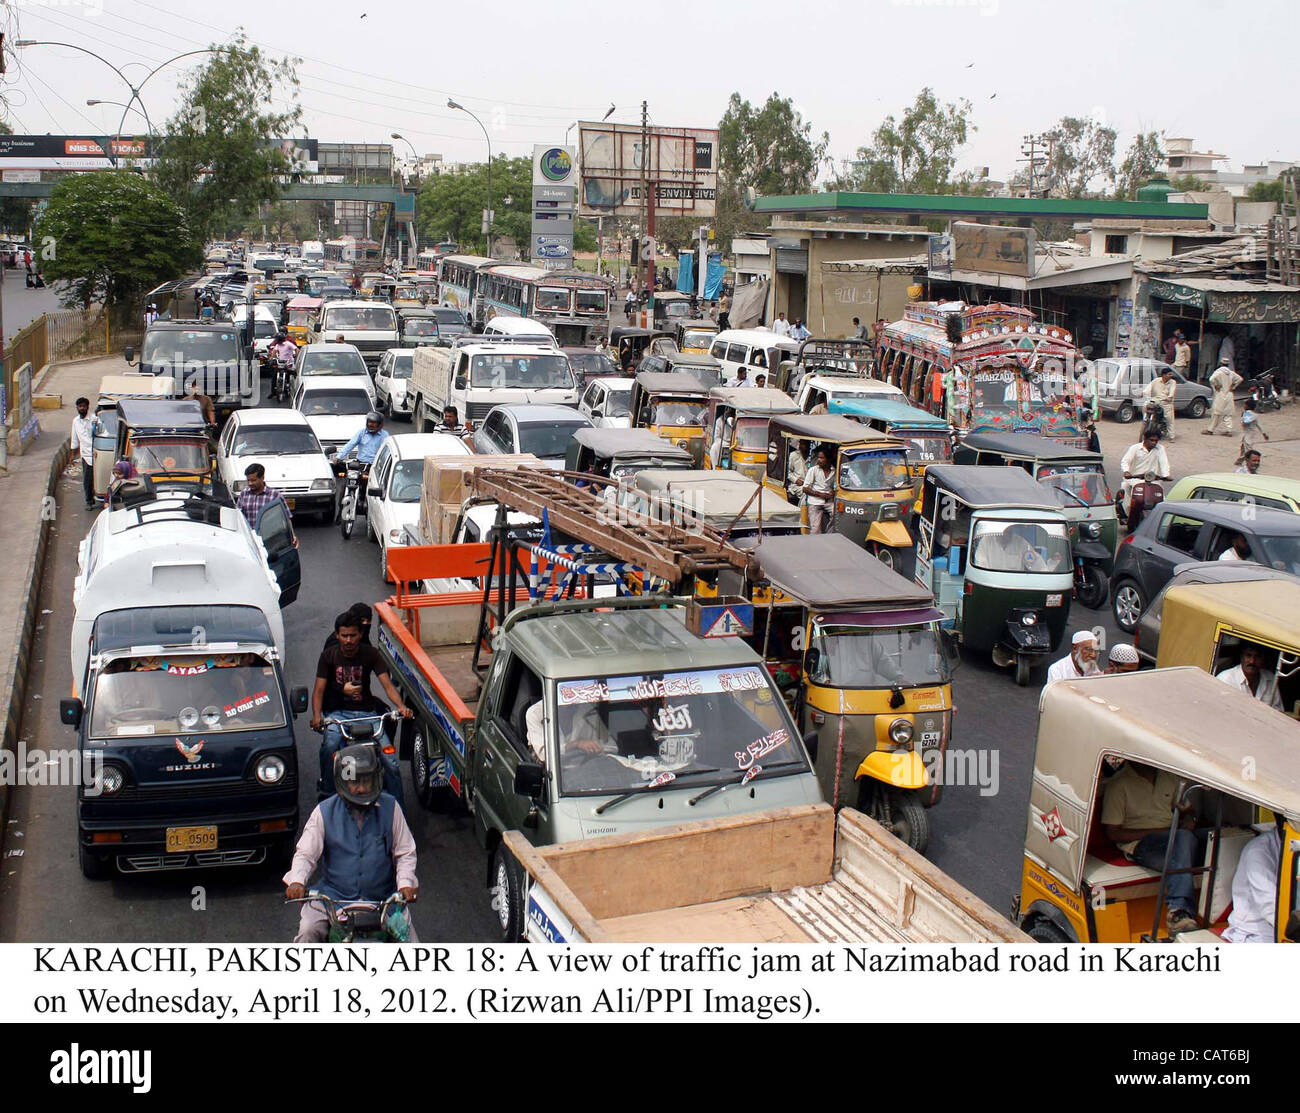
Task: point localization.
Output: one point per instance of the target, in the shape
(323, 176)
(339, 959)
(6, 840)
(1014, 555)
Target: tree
(112, 236)
(913, 155)
(1081, 150)
(1266, 191)
(451, 206)
(1189, 183)
(1142, 162)
(15, 212)
(220, 159)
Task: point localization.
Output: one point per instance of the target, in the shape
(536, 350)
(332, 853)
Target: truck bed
(453, 661)
(790, 875)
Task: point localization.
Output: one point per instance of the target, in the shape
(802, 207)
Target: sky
(1215, 70)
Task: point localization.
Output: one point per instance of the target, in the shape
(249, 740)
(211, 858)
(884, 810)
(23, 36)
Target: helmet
(357, 775)
(376, 417)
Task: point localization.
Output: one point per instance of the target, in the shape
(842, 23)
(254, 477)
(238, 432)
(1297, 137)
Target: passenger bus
(427, 260)
(986, 369)
(458, 280)
(574, 304)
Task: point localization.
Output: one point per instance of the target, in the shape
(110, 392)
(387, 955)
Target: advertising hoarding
(680, 163)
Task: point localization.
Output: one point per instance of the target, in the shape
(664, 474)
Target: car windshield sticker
(761, 747)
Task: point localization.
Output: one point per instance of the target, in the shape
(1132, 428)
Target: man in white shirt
(819, 489)
(1081, 662)
(1254, 890)
(1161, 391)
(1148, 455)
(83, 442)
(781, 326)
(1253, 678)
(1238, 550)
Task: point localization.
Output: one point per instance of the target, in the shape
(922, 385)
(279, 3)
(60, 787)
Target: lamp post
(411, 229)
(487, 213)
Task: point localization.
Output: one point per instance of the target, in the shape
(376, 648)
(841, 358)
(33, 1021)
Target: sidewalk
(30, 514)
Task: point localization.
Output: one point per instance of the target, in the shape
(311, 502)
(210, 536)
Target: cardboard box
(446, 477)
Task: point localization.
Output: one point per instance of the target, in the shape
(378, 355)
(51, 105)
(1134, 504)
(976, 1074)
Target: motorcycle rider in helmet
(366, 442)
(360, 839)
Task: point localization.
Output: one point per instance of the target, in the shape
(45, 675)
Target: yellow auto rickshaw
(1223, 764)
(300, 311)
(673, 406)
(737, 427)
(694, 335)
(873, 671)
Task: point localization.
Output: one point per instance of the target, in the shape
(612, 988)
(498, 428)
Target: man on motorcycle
(1148, 455)
(366, 442)
(362, 843)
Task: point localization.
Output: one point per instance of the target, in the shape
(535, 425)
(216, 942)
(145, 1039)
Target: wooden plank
(738, 920)
(535, 864)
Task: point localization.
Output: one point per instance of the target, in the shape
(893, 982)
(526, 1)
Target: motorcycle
(369, 730)
(1154, 420)
(280, 372)
(1263, 392)
(1146, 494)
(353, 474)
(368, 921)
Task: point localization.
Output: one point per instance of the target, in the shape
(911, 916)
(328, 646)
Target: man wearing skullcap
(1081, 662)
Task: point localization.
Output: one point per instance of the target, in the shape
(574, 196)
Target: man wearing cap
(1123, 658)
(1081, 662)
(1223, 382)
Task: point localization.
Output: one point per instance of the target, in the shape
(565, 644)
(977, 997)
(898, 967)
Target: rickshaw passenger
(1254, 890)
(1013, 550)
(1253, 678)
(796, 468)
(1136, 808)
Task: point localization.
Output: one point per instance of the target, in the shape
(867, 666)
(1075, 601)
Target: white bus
(458, 280)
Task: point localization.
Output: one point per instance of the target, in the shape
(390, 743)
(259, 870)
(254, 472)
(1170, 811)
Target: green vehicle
(1078, 479)
(994, 548)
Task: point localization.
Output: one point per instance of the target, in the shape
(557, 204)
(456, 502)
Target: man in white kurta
(1148, 455)
(1253, 678)
(1254, 891)
(1161, 391)
(1081, 662)
(1223, 382)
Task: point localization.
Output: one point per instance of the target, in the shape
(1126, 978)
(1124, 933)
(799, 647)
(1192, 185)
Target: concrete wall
(865, 293)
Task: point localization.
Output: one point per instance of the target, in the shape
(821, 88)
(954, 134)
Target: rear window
(369, 318)
(317, 403)
(1218, 494)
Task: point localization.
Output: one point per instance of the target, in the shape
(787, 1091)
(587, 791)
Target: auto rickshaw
(874, 676)
(166, 440)
(672, 406)
(1078, 479)
(737, 427)
(672, 306)
(928, 438)
(629, 345)
(1233, 763)
(694, 335)
(619, 454)
(112, 388)
(418, 328)
(407, 294)
(873, 488)
(300, 310)
(1209, 625)
(994, 547)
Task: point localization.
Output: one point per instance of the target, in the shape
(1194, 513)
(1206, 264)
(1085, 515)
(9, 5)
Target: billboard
(680, 164)
(994, 249)
(91, 152)
(555, 166)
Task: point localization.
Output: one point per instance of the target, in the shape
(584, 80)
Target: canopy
(669, 382)
(629, 442)
(991, 486)
(754, 399)
(829, 572)
(1029, 447)
(823, 427)
(886, 408)
(161, 413)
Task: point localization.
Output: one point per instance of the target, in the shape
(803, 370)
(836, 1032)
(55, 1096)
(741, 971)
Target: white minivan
(522, 329)
(759, 350)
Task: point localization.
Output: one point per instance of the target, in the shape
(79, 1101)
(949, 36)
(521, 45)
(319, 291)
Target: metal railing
(66, 334)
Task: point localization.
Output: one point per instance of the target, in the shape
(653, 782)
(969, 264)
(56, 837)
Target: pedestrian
(40, 281)
(724, 312)
(1182, 355)
(1081, 662)
(83, 434)
(1250, 466)
(1223, 382)
(1161, 391)
(27, 260)
(800, 331)
(1251, 433)
(256, 496)
(859, 330)
(818, 492)
(1123, 658)
(760, 381)
(1170, 345)
(781, 326)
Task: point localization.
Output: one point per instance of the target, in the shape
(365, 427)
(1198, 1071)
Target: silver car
(1122, 383)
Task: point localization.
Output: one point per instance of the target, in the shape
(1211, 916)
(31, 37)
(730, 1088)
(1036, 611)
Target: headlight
(1029, 619)
(889, 512)
(270, 769)
(322, 484)
(110, 780)
(1091, 530)
(901, 732)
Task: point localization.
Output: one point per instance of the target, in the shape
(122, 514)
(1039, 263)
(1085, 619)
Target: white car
(396, 476)
(281, 441)
(391, 377)
(605, 400)
(327, 359)
(335, 407)
(265, 324)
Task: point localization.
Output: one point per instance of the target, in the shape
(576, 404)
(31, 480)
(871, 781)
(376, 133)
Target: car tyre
(507, 895)
(1044, 931)
(1128, 601)
(1125, 414)
(93, 867)
(1197, 408)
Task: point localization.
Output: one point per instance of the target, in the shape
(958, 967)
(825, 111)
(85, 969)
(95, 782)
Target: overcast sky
(1216, 70)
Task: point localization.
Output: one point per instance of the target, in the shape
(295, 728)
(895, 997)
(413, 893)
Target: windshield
(1077, 484)
(927, 448)
(1021, 547)
(1007, 393)
(620, 733)
(175, 347)
(183, 456)
(593, 364)
(751, 434)
(874, 471)
(878, 657)
(373, 318)
(547, 441)
(616, 403)
(274, 440)
(521, 372)
(592, 301)
(320, 403)
(186, 695)
(420, 326)
(553, 299)
(697, 338)
(340, 361)
(449, 316)
(407, 480)
(401, 366)
(263, 329)
(680, 414)
(1282, 553)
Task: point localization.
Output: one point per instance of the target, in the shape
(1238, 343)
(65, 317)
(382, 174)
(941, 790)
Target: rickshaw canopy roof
(1029, 447)
(671, 382)
(827, 571)
(159, 415)
(1267, 607)
(990, 487)
(1182, 720)
(697, 323)
(304, 302)
(754, 399)
(824, 427)
(629, 442)
(718, 494)
(632, 332)
(886, 409)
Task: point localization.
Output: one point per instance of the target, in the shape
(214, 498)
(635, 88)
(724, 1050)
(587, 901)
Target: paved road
(21, 305)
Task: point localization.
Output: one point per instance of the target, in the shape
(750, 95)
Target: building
(752, 257)
(1182, 160)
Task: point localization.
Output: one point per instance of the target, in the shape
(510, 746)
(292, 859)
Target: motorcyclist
(1148, 455)
(360, 839)
(284, 349)
(366, 442)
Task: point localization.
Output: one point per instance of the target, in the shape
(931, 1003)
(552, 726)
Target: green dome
(1157, 189)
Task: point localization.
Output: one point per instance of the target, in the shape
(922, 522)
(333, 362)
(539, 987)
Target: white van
(817, 391)
(313, 251)
(369, 326)
(478, 376)
(520, 328)
(759, 350)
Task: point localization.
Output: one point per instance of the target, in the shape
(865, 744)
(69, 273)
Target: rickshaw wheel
(884, 554)
(1024, 669)
(907, 819)
(1044, 931)
(1094, 589)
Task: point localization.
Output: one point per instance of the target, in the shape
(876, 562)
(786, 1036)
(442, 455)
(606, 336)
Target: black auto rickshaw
(169, 441)
(628, 345)
(618, 454)
(672, 306)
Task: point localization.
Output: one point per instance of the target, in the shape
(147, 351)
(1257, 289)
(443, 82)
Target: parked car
(1178, 531)
(335, 406)
(605, 402)
(1262, 490)
(391, 377)
(543, 431)
(1121, 386)
(283, 442)
(393, 497)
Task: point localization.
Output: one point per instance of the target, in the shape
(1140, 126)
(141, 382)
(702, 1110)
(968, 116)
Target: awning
(1231, 300)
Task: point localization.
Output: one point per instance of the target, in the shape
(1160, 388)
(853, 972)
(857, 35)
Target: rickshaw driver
(1135, 812)
(1253, 678)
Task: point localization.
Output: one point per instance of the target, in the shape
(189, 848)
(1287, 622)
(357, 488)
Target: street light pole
(487, 218)
(411, 224)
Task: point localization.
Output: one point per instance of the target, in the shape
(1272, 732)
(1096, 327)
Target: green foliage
(451, 206)
(1142, 162)
(15, 212)
(218, 160)
(771, 149)
(1189, 183)
(913, 155)
(112, 236)
(584, 235)
(1082, 150)
(1266, 191)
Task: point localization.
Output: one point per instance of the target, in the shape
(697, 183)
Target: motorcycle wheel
(1093, 588)
(347, 519)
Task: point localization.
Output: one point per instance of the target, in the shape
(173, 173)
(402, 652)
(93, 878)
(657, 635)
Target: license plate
(180, 840)
(930, 737)
(289, 503)
(1055, 599)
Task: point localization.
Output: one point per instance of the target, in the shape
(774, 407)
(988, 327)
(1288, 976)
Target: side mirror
(810, 744)
(374, 493)
(298, 701)
(812, 662)
(951, 647)
(460, 382)
(530, 776)
(129, 353)
(70, 711)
